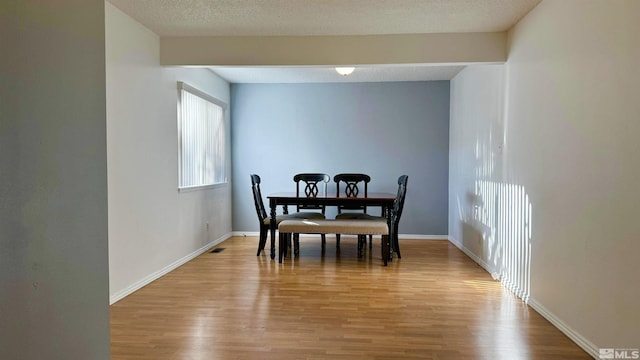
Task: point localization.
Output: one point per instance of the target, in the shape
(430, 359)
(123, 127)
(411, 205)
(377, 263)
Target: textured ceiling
(326, 17)
(323, 17)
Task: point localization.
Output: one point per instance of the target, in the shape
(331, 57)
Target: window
(201, 139)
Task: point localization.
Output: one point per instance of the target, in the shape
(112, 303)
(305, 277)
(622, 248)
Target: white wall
(53, 181)
(475, 158)
(152, 227)
(571, 143)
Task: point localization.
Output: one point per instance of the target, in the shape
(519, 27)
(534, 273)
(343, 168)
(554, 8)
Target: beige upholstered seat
(328, 226)
(300, 215)
(362, 228)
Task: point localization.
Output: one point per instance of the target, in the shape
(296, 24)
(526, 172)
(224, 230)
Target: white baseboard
(167, 269)
(246, 233)
(402, 236)
(422, 237)
(473, 256)
(580, 340)
(585, 344)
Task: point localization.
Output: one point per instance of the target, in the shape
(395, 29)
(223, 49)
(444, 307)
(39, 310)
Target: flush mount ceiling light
(344, 71)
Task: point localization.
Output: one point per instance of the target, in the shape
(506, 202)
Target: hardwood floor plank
(434, 303)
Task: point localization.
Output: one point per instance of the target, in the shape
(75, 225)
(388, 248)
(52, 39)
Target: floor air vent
(217, 250)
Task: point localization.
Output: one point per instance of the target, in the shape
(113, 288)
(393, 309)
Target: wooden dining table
(380, 199)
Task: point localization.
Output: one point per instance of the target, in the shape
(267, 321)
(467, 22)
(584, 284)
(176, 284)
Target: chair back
(257, 198)
(314, 184)
(352, 188)
(398, 205)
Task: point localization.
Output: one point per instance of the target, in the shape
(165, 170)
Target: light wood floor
(434, 303)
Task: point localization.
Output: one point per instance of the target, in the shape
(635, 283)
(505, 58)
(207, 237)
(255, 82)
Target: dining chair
(312, 182)
(352, 185)
(396, 213)
(311, 185)
(265, 221)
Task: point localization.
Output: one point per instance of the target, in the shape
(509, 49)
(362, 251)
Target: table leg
(390, 237)
(273, 206)
(282, 244)
(385, 249)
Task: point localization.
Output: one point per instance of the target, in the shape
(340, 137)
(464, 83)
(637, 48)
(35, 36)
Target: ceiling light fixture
(344, 71)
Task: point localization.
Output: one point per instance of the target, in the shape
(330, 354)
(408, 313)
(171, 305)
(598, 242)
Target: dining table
(375, 199)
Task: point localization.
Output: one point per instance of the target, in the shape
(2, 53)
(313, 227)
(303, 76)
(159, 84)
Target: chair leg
(287, 245)
(290, 244)
(324, 239)
(362, 239)
(296, 245)
(370, 242)
(337, 240)
(263, 240)
(396, 243)
(385, 255)
(282, 247)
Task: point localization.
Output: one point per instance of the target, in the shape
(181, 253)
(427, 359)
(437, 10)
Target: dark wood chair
(265, 221)
(314, 185)
(396, 213)
(352, 185)
(311, 185)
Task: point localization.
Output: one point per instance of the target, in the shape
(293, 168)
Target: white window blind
(201, 138)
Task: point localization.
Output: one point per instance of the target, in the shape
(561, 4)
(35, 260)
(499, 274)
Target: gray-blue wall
(382, 129)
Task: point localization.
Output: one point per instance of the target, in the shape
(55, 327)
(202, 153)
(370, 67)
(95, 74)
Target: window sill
(202, 187)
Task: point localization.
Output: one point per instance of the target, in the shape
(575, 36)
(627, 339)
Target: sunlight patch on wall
(504, 215)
